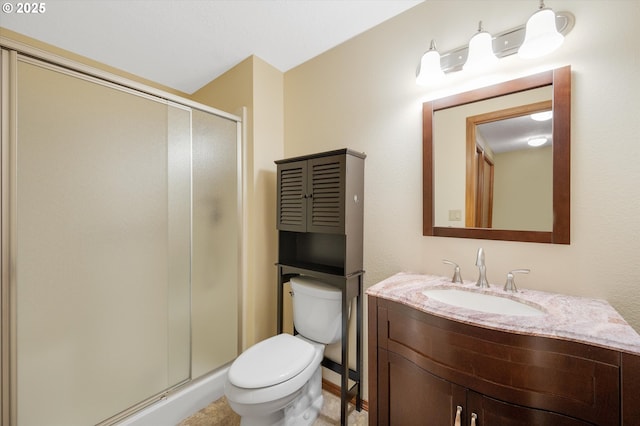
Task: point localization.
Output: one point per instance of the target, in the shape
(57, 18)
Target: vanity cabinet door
(409, 395)
(492, 412)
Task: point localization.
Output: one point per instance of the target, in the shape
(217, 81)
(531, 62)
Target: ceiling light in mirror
(536, 141)
(542, 116)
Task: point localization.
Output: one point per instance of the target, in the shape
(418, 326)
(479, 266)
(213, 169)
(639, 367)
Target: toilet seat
(271, 362)
(279, 394)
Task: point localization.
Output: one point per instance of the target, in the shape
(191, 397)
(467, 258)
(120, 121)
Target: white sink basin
(482, 302)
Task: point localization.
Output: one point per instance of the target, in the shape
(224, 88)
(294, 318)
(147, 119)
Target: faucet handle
(510, 285)
(457, 278)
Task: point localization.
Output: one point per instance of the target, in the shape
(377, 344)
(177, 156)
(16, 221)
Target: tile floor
(219, 413)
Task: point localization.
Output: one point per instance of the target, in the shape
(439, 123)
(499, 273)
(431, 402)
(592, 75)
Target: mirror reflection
(481, 176)
(493, 163)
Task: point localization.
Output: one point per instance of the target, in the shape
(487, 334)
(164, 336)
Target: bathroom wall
(362, 94)
(524, 172)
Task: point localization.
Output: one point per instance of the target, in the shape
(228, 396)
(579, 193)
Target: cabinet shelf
(317, 269)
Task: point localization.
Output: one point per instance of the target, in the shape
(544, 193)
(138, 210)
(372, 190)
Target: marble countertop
(578, 319)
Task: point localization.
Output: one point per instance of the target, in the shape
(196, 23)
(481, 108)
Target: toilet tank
(317, 309)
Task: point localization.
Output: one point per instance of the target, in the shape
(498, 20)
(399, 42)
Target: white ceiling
(184, 44)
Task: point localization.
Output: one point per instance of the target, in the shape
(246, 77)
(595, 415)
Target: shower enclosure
(121, 232)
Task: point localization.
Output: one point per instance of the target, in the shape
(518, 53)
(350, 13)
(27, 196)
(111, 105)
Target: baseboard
(335, 390)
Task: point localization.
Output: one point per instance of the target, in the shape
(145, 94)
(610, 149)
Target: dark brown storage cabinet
(320, 214)
(320, 211)
(423, 367)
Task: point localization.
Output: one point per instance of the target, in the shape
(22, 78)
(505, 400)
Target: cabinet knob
(474, 417)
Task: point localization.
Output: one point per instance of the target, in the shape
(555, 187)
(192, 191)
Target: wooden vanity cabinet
(417, 397)
(422, 367)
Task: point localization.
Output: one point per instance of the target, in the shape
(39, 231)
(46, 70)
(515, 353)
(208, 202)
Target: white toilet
(279, 381)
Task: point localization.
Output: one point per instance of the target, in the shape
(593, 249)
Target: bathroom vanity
(437, 363)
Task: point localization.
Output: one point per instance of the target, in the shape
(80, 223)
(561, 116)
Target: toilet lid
(272, 361)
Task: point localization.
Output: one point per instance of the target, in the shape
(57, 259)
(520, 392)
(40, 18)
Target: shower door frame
(10, 51)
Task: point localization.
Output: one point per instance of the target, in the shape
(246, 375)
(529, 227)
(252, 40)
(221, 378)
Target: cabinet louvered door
(292, 196)
(325, 203)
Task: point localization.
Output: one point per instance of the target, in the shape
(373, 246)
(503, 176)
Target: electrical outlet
(455, 215)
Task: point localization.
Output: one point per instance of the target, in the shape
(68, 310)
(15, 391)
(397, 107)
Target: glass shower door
(216, 242)
(100, 247)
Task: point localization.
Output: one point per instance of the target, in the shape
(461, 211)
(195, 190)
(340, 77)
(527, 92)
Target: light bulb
(430, 70)
(541, 35)
(480, 51)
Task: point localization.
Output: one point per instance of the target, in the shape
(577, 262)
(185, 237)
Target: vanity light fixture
(538, 30)
(430, 71)
(480, 51)
(541, 35)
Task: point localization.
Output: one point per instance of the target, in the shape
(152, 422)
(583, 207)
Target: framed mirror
(480, 177)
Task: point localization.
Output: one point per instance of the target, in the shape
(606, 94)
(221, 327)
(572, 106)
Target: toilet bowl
(264, 389)
(278, 381)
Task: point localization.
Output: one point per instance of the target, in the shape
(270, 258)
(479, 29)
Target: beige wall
(362, 95)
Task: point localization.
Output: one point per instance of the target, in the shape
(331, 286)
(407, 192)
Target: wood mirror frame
(560, 79)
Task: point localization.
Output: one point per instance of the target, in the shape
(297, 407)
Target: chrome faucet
(510, 285)
(457, 278)
(482, 278)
